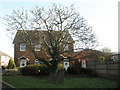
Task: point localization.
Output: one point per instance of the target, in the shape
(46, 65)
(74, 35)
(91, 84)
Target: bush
(91, 72)
(11, 64)
(72, 70)
(34, 70)
(11, 72)
(3, 67)
(60, 66)
(83, 71)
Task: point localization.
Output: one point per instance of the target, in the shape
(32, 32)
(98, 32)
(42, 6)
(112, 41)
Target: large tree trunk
(56, 77)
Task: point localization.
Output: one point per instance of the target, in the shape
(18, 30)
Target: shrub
(60, 66)
(11, 64)
(3, 67)
(72, 70)
(11, 72)
(33, 70)
(91, 72)
(83, 71)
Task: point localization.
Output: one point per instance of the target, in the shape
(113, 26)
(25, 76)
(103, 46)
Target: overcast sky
(101, 15)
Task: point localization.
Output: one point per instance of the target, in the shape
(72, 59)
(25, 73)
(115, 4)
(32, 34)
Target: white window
(22, 47)
(37, 47)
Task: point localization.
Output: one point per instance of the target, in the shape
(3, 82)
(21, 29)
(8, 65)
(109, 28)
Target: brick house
(22, 53)
(84, 56)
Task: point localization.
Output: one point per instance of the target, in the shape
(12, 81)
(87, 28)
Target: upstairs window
(37, 47)
(22, 47)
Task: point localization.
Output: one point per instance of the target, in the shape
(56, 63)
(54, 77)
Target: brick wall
(29, 55)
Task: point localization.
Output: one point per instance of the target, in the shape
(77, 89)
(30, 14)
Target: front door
(23, 62)
(66, 63)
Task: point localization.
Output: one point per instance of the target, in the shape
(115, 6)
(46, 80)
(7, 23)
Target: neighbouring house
(4, 59)
(22, 53)
(115, 56)
(83, 56)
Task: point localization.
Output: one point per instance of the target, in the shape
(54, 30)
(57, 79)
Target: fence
(106, 69)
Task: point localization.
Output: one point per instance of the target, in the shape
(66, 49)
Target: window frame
(22, 47)
(37, 47)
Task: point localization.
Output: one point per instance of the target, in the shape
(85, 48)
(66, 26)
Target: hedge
(72, 70)
(11, 72)
(34, 70)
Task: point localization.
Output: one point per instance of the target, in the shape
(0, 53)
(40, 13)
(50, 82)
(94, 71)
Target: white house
(4, 59)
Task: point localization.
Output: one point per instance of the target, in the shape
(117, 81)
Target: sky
(101, 15)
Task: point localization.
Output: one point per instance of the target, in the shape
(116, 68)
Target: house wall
(28, 54)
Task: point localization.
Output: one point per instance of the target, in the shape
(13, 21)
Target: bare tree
(107, 53)
(106, 50)
(65, 20)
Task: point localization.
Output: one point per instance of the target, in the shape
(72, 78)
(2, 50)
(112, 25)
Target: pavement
(6, 86)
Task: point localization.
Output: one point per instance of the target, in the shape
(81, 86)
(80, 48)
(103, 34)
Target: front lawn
(37, 82)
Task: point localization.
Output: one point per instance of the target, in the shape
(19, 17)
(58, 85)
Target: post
(118, 40)
(106, 69)
(95, 67)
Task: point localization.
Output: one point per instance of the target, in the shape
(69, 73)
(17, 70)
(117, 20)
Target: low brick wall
(106, 69)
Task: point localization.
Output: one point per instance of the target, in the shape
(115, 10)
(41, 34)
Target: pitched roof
(86, 53)
(37, 35)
